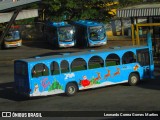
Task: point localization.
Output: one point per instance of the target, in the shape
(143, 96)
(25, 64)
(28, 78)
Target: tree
(59, 10)
(125, 3)
(99, 10)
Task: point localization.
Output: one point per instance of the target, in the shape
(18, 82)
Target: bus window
(96, 33)
(54, 68)
(40, 70)
(128, 57)
(78, 64)
(21, 68)
(95, 62)
(64, 66)
(66, 33)
(143, 57)
(112, 60)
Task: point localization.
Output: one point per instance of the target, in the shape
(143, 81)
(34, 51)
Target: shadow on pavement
(7, 92)
(153, 84)
(38, 44)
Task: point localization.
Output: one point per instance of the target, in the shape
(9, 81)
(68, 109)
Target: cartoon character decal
(98, 76)
(47, 88)
(85, 82)
(135, 68)
(107, 75)
(117, 72)
(36, 90)
(98, 81)
(45, 83)
(55, 86)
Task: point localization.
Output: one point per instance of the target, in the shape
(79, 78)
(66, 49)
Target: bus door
(143, 58)
(21, 77)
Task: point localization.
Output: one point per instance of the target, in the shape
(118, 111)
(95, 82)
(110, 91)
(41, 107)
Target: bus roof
(58, 24)
(92, 52)
(88, 23)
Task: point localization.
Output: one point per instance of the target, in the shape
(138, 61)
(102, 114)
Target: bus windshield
(66, 34)
(96, 33)
(12, 35)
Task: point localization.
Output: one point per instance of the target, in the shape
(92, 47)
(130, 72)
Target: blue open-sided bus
(68, 73)
(60, 34)
(90, 33)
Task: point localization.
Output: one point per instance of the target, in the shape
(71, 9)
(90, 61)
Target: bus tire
(133, 79)
(71, 89)
(2, 46)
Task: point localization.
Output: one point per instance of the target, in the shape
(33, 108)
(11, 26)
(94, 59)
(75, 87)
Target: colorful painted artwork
(95, 82)
(85, 82)
(117, 72)
(107, 75)
(36, 90)
(45, 83)
(55, 85)
(47, 88)
(69, 75)
(135, 68)
(98, 76)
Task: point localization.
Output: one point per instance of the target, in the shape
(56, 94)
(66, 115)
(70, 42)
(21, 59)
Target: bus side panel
(100, 77)
(85, 79)
(47, 85)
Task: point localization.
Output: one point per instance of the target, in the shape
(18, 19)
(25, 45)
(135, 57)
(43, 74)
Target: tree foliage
(125, 3)
(58, 10)
(99, 10)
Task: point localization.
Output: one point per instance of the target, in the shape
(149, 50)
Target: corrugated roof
(140, 11)
(6, 4)
(5, 17)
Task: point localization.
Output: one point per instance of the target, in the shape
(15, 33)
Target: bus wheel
(71, 89)
(2, 46)
(133, 79)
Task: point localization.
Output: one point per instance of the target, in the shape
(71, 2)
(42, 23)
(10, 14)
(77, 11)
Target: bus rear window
(21, 68)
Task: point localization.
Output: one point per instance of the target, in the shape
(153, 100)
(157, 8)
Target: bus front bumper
(9, 44)
(66, 45)
(91, 44)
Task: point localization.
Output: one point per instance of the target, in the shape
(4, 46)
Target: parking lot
(122, 97)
